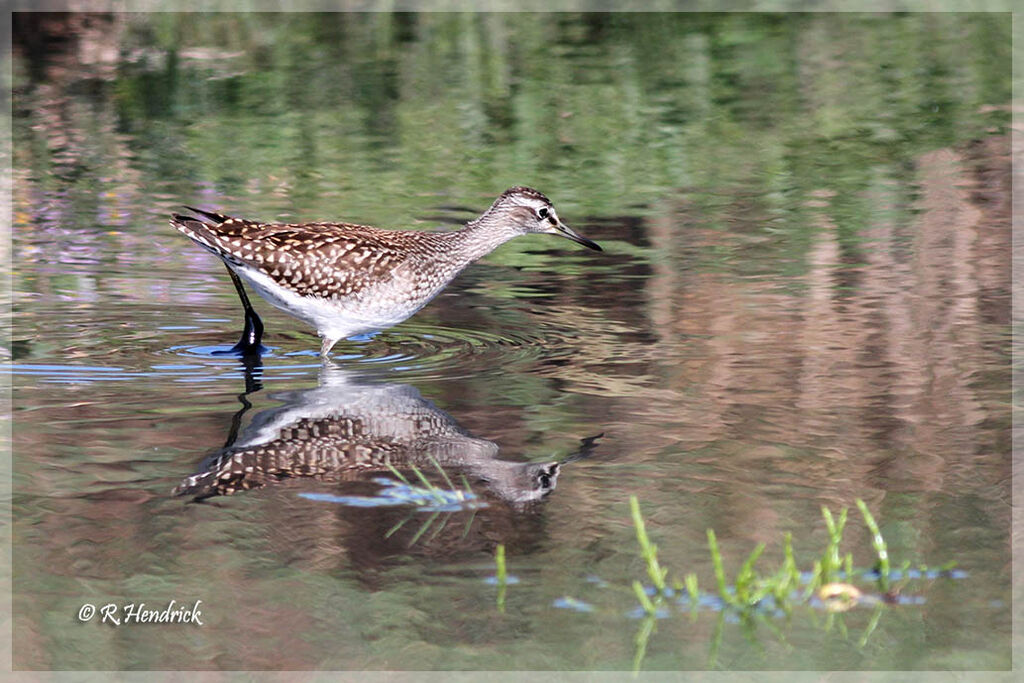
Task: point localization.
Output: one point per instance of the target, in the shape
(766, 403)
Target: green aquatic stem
(716, 641)
(749, 622)
(691, 589)
(747, 578)
(647, 549)
(787, 575)
(815, 581)
(423, 528)
(876, 615)
(469, 523)
(501, 573)
(499, 561)
(779, 635)
(716, 561)
(841, 625)
(749, 588)
(439, 528)
(390, 532)
(444, 475)
(878, 543)
(433, 490)
(643, 635)
(835, 529)
(641, 595)
(398, 474)
(830, 559)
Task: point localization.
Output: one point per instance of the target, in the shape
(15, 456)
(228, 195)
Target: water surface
(803, 300)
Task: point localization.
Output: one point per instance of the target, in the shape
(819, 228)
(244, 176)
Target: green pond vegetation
(831, 583)
(754, 598)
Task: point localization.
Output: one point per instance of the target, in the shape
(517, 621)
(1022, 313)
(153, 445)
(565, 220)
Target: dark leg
(201, 484)
(252, 333)
(252, 365)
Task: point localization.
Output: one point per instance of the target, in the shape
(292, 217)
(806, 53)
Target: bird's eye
(542, 213)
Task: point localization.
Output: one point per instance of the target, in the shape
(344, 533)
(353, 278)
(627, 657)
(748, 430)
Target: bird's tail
(202, 230)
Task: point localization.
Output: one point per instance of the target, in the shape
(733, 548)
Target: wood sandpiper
(346, 428)
(346, 279)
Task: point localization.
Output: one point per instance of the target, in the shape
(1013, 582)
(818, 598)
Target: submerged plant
(755, 597)
(423, 496)
(830, 560)
(878, 543)
(428, 492)
(501, 575)
(648, 550)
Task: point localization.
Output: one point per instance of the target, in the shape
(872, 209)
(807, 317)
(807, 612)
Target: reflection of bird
(351, 279)
(344, 429)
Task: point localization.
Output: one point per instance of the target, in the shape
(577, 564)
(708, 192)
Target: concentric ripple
(413, 350)
(423, 351)
(435, 351)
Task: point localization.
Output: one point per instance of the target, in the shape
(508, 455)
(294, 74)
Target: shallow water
(803, 300)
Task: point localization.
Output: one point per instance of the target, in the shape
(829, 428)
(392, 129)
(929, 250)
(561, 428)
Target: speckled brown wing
(333, 448)
(331, 260)
(328, 449)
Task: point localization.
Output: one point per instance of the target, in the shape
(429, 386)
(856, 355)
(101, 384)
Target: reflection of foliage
(746, 132)
(625, 107)
(441, 502)
(743, 119)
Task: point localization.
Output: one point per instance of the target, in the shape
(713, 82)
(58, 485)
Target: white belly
(332, 320)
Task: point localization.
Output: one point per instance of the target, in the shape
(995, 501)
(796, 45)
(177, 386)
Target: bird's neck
(482, 236)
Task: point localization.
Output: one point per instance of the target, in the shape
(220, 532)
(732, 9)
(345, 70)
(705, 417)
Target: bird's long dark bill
(566, 231)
